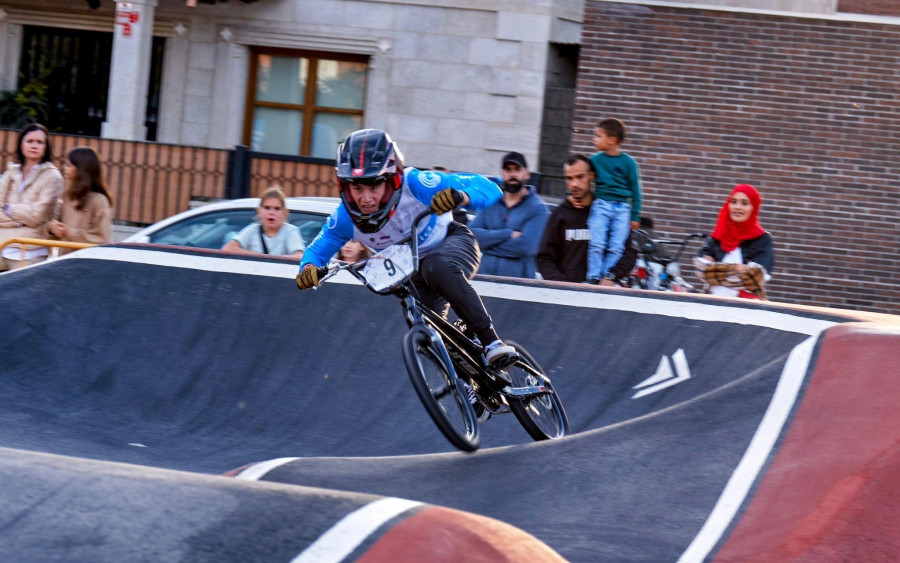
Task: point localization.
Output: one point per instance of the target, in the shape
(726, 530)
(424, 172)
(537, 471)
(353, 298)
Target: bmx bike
(446, 363)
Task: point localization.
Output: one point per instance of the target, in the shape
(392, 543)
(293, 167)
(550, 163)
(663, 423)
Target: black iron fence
(250, 172)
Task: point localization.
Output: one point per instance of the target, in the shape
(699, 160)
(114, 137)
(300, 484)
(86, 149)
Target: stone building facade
(457, 83)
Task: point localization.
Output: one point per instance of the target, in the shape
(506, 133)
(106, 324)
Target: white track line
(256, 471)
(187, 261)
(747, 471)
(348, 533)
(687, 309)
(353, 529)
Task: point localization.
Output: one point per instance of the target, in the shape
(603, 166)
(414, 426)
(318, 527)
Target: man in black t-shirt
(564, 245)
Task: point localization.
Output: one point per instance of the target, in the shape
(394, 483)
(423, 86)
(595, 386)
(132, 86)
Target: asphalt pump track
(135, 377)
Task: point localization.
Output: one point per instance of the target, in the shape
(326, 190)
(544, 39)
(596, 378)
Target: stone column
(10, 53)
(129, 75)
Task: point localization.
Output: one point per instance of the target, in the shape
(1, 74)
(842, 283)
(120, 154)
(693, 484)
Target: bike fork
(414, 317)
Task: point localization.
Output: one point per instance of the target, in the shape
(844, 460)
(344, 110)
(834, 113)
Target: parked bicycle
(656, 268)
(446, 363)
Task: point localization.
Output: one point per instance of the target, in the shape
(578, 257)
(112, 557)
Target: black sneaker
(498, 356)
(481, 413)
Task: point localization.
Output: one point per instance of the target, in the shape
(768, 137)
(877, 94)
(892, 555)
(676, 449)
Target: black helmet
(369, 156)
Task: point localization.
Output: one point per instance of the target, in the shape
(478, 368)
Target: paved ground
(683, 412)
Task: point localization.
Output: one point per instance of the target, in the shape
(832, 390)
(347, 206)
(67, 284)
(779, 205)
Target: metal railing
(53, 244)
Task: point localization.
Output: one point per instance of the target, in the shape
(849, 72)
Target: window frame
(308, 108)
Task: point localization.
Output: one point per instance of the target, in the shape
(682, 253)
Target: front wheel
(441, 393)
(542, 416)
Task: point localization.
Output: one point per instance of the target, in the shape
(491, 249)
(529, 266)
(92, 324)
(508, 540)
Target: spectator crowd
(589, 237)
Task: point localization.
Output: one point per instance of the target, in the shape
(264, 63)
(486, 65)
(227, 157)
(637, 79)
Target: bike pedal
(503, 362)
(525, 391)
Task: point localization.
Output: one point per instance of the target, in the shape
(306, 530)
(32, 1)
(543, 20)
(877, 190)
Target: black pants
(443, 281)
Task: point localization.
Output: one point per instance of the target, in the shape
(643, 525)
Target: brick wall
(870, 7)
(806, 110)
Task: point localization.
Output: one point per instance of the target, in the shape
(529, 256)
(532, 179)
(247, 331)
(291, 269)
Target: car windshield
(212, 230)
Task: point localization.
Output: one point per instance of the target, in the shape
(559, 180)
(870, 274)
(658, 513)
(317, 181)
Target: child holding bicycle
(617, 199)
(738, 257)
(380, 199)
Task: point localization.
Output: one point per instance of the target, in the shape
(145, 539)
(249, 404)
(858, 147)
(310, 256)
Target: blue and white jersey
(419, 186)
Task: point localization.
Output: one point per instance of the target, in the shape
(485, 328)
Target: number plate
(389, 267)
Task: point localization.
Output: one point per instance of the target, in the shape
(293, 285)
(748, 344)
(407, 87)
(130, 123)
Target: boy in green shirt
(617, 200)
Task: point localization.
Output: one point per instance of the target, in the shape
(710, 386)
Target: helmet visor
(374, 181)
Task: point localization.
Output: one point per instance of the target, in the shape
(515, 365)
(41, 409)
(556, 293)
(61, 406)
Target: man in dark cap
(509, 231)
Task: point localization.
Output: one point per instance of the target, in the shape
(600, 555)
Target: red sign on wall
(126, 18)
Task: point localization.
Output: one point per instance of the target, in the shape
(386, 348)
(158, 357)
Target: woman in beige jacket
(86, 210)
(29, 190)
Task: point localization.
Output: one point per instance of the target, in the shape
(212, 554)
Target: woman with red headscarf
(738, 258)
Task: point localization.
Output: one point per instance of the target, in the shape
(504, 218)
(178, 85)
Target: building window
(72, 68)
(303, 104)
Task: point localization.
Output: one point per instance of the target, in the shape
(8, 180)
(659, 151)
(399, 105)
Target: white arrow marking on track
(664, 377)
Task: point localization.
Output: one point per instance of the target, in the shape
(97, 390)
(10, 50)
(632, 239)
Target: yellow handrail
(43, 242)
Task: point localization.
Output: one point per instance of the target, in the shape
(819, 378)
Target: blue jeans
(609, 224)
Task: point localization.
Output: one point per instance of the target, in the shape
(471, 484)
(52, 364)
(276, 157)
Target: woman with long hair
(28, 192)
(86, 208)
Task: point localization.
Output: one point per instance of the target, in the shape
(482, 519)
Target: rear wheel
(442, 394)
(542, 416)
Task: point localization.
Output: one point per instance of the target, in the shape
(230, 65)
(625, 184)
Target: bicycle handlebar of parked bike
(682, 244)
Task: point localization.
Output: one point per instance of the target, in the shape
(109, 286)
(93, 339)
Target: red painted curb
(832, 492)
(444, 535)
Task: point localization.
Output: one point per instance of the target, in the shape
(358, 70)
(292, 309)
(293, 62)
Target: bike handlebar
(681, 243)
(332, 268)
(683, 240)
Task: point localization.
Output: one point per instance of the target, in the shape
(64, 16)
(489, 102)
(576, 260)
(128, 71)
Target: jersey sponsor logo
(331, 222)
(578, 234)
(429, 179)
(426, 232)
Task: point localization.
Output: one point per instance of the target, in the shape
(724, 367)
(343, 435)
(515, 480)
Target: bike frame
(457, 349)
(529, 395)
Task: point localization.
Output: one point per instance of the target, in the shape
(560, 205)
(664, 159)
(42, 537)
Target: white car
(214, 224)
